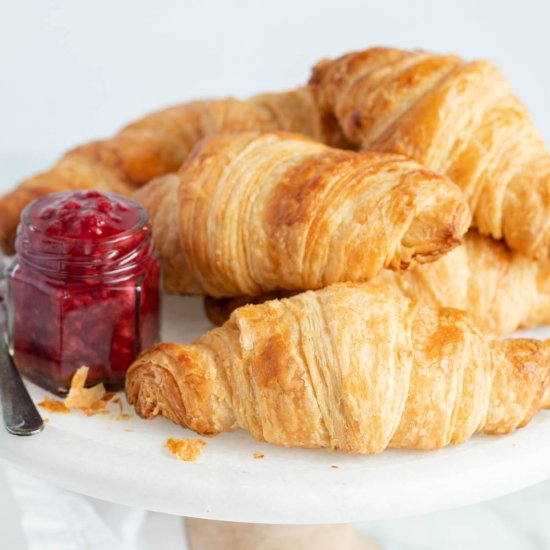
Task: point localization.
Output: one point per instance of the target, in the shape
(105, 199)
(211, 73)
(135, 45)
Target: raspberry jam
(84, 289)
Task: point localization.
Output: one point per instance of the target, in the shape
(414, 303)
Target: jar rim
(140, 224)
(61, 256)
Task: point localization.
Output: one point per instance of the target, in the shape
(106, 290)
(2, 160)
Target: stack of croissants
(362, 241)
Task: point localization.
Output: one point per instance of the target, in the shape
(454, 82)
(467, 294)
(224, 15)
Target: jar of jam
(84, 289)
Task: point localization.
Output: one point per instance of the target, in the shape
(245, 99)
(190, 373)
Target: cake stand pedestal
(209, 535)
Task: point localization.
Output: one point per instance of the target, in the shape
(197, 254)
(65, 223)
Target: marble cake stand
(126, 462)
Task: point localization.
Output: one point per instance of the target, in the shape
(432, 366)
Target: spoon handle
(20, 414)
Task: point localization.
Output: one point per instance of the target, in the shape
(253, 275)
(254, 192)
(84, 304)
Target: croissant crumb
(53, 406)
(90, 401)
(187, 450)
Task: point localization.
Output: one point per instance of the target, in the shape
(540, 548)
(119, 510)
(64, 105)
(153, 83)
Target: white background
(75, 71)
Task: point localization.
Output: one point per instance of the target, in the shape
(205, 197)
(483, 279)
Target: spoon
(21, 416)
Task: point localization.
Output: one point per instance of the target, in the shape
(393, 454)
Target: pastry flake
(90, 401)
(185, 449)
(54, 406)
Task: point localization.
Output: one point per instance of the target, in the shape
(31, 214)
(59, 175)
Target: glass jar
(84, 289)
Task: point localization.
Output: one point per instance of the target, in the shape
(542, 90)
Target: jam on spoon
(84, 289)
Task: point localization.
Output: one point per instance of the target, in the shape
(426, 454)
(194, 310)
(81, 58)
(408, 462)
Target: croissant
(253, 212)
(458, 118)
(159, 143)
(357, 368)
(500, 289)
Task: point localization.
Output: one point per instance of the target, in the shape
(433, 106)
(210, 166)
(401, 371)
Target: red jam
(84, 289)
(87, 215)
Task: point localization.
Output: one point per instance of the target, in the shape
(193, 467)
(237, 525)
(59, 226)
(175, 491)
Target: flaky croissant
(456, 117)
(352, 367)
(252, 212)
(159, 143)
(501, 290)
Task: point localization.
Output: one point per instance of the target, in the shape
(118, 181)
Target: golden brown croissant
(253, 212)
(456, 117)
(352, 367)
(159, 143)
(501, 290)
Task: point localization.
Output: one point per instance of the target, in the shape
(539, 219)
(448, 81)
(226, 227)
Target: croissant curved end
(179, 382)
(428, 237)
(148, 386)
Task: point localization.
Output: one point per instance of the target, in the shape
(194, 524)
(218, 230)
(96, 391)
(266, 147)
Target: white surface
(97, 457)
(515, 522)
(55, 519)
(11, 530)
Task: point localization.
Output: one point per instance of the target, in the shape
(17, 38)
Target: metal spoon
(21, 416)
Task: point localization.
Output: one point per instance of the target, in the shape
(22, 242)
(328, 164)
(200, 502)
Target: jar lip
(140, 224)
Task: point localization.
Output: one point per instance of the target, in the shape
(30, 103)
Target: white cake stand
(126, 462)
